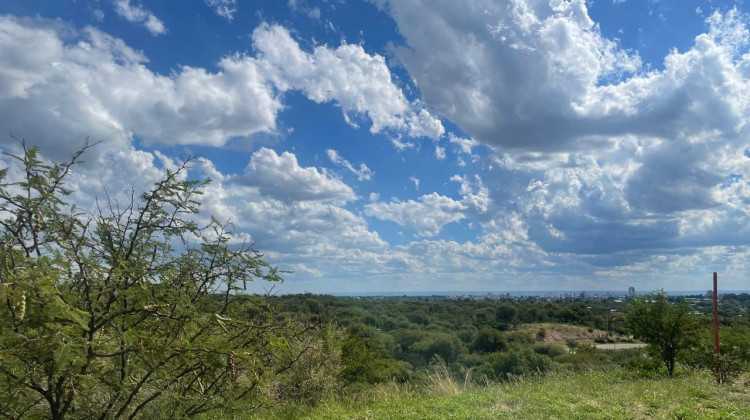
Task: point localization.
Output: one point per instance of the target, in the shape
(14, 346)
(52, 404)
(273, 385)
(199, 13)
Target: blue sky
(413, 145)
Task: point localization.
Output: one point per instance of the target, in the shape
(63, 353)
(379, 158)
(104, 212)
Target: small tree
(667, 327)
(489, 340)
(506, 314)
(572, 345)
(133, 310)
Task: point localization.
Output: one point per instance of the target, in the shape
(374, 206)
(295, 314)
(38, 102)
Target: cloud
(296, 232)
(98, 14)
(424, 124)
(317, 234)
(281, 177)
(88, 83)
(359, 83)
(619, 207)
(539, 76)
(502, 67)
(363, 173)
(594, 154)
(474, 194)
(415, 181)
(575, 204)
(137, 14)
(598, 172)
(401, 145)
(664, 184)
(464, 145)
(305, 269)
(301, 6)
(427, 216)
(439, 152)
(223, 8)
(431, 212)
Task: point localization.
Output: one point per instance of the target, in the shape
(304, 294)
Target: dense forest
(498, 337)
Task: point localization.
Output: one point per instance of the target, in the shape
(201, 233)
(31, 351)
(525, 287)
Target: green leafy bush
(489, 340)
(134, 310)
(551, 350)
(517, 362)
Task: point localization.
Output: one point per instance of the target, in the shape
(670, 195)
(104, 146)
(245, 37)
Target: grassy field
(593, 395)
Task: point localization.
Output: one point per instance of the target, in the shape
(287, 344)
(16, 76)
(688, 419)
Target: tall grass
(617, 394)
(440, 380)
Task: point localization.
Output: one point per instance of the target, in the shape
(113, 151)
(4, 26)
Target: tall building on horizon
(631, 291)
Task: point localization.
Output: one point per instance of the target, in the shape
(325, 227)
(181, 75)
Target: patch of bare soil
(562, 333)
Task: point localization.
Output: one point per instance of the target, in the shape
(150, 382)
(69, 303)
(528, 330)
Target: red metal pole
(716, 327)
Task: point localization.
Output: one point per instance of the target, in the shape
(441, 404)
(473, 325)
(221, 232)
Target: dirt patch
(562, 336)
(557, 333)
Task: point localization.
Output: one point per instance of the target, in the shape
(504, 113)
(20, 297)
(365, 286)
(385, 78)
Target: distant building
(631, 291)
(583, 294)
(709, 294)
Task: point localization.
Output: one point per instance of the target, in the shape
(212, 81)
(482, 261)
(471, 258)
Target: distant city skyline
(533, 293)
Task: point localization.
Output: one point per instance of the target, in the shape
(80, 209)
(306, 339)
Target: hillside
(593, 395)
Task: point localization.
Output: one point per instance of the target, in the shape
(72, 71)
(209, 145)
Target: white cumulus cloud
(360, 83)
(509, 73)
(427, 216)
(92, 84)
(464, 145)
(281, 177)
(87, 83)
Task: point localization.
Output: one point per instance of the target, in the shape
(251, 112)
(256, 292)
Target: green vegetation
(135, 310)
(589, 395)
(669, 328)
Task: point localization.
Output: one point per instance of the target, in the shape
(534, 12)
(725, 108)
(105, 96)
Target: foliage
(311, 375)
(469, 334)
(134, 310)
(612, 394)
(392, 347)
(490, 340)
(572, 345)
(382, 344)
(447, 346)
(550, 349)
(734, 352)
(541, 334)
(506, 314)
(516, 362)
(362, 363)
(729, 361)
(667, 327)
